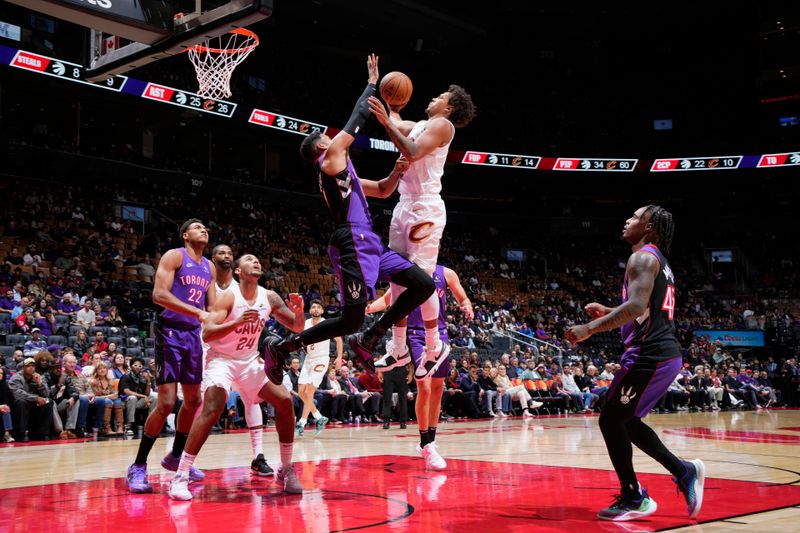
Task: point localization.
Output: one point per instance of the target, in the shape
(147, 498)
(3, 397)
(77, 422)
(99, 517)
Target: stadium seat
(150, 352)
(74, 329)
(149, 342)
(57, 339)
(116, 340)
(133, 352)
(6, 352)
(17, 339)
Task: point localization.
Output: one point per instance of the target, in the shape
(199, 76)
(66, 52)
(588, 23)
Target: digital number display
(530, 162)
(285, 123)
(188, 100)
(595, 165)
(697, 163)
(62, 69)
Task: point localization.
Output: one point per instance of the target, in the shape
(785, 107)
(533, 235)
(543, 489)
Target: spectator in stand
(86, 396)
(581, 399)
(748, 387)
(114, 320)
(65, 307)
(13, 258)
(372, 404)
(731, 396)
(608, 372)
(6, 401)
(86, 317)
(16, 361)
(714, 387)
(7, 302)
(25, 321)
(35, 344)
(486, 381)
(453, 397)
(100, 344)
(31, 412)
(65, 401)
(99, 315)
(767, 391)
(355, 396)
(134, 389)
(519, 392)
(103, 388)
(698, 388)
(338, 398)
(473, 393)
(81, 344)
(46, 322)
(118, 366)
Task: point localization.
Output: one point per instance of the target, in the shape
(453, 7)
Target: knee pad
(352, 318)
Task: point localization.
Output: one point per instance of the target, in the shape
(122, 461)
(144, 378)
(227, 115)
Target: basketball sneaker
(433, 360)
(363, 349)
(288, 478)
(274, 359)
(691, 485)
(179, 488)
(137, 479)
(299, 428)
(394, 357)
(433, 461)
(260, 467)
(627, 508)
(321, 421)
(171, 463)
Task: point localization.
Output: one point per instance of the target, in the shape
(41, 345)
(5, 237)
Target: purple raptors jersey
(191, 282)
(415, 321)
(344, 195)
(653, 334)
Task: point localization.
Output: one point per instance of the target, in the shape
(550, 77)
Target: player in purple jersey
(650, 363)
(359, 257)
(182, 284)
(429, 391)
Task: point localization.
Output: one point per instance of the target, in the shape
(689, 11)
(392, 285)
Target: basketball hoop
(215, 61)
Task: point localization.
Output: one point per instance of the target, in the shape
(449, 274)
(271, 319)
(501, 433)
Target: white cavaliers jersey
(424, 176)
(242, 342)
(220, 290)
(320, 349)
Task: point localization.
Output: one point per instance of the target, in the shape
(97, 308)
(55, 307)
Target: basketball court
(544, 474)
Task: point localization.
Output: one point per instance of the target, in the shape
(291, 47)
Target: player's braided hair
(463, 108)
(663, 226)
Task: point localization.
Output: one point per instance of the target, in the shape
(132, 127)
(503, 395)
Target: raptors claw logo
(355, 289)
(627, 396)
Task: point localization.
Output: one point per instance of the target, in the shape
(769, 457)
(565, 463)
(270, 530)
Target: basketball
(396, 88)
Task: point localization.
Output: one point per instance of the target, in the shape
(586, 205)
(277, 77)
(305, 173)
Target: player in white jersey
(232, 331)
(419, 217)
(315, 366)
(222, 257)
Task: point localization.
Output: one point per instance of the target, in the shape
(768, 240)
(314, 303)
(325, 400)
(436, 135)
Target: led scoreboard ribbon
(173, 96)
(788, 159)
(594, 164)
(65, 70)
(697, 163)
(285, 123)
(501, 160)
(61, 69)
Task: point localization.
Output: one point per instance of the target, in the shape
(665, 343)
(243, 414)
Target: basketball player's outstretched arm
(165, 275)
(437, 133)
(335, 159)
(216, 327)
(454, 284)
(290, 316)
(385, 187)
(641, 275)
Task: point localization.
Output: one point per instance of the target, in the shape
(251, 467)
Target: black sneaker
(260, 467)
(274, 359)
(363, 351)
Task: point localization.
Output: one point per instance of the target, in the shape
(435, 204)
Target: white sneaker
(535, 405)
(493, 414)
(391, 359)
(502, 414)
(179, 488)
(527, 414)
(288, 478)
(433, 360)
(433, 461)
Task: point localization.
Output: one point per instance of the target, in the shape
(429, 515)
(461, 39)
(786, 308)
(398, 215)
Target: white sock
(187, 460)
(399, 338)
(286, 453)
(315, 414)
(431, 339)
(256, 440)
(302, 422)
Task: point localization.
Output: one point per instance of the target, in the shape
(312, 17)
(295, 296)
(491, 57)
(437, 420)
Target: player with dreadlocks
(650, 363)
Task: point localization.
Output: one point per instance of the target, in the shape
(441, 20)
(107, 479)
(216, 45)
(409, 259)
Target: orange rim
(239, 31)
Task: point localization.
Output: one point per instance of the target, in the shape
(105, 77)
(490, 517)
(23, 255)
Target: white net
(215, 61)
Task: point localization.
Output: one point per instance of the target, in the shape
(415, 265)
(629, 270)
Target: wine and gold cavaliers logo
(420, 232)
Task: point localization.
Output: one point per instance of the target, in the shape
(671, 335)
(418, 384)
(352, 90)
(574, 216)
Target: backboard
(144, 31)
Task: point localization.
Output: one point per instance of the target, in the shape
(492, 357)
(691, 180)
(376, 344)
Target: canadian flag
(110, 43)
